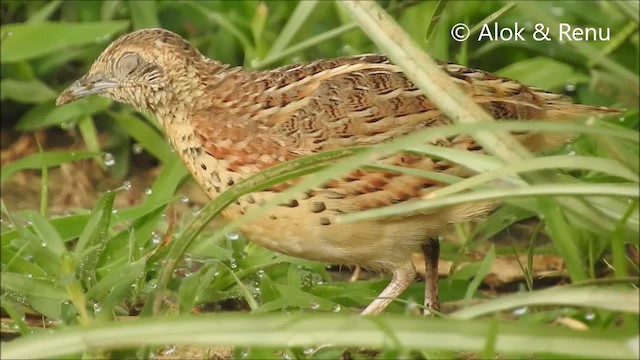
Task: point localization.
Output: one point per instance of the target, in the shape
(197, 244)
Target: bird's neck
(190, 91)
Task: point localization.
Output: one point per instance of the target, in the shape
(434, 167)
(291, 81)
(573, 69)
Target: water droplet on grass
(184, 198)
(155, 238)
(108, 159)
(336, 308)
(233, 236)
(126, 185)
(315, 305)
(148, 191)
(570, 88)
(520, 311)
(137, 148)
(168, 350)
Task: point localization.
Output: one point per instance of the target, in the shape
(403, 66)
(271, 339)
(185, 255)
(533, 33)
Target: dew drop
(315, 305)
(520, 311)
(336, 308)
(155, 238)
(169, 350)
(184, 198)
(108, 159)
(148, 191)
(570, 89)
(233, 264)
(97, 308)
(126, 185)
(137, 148)
(309, 350)
(232, 236)
(589, 316)
(114, 211)
(102, 39)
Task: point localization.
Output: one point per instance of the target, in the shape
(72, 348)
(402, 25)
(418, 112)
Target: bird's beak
(89, 84)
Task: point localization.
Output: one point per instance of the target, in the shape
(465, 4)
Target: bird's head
(147, 69)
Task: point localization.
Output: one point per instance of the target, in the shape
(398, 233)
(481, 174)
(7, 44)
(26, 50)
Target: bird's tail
(560, 108)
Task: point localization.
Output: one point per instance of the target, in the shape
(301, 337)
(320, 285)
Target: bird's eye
(128, 63)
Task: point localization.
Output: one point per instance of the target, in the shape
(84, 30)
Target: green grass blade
(483, 270)
(144, 14)
(49, 159)
(94, 237)
(613, 299)
(145, 134)
(293, 25)
(25, 285)
(48, 234)
(275, 330)
(563, 238)
(620, 190)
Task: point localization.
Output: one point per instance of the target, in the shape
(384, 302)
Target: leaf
(47, 114)
(48, 234)
(483, 270)
(49, 159)
(24, 285)
(145, 134)
(144, 14)
(620, 299)
(543, 72)
(126, 274)
(94, 236)
(26, 91)
(301, 330)
(28, 41)
(293, 26)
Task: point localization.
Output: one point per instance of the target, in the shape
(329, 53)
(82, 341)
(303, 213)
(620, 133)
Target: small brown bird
(228, 123)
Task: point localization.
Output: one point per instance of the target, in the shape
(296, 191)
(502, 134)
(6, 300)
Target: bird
(227, 123)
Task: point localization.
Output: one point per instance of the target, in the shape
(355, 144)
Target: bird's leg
(403, 276)
(356, 274)
(431, 251)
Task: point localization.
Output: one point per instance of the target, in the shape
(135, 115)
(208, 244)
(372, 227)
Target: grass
(85, 272)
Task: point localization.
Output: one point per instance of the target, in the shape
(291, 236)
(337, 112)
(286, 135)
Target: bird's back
(258, 119)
